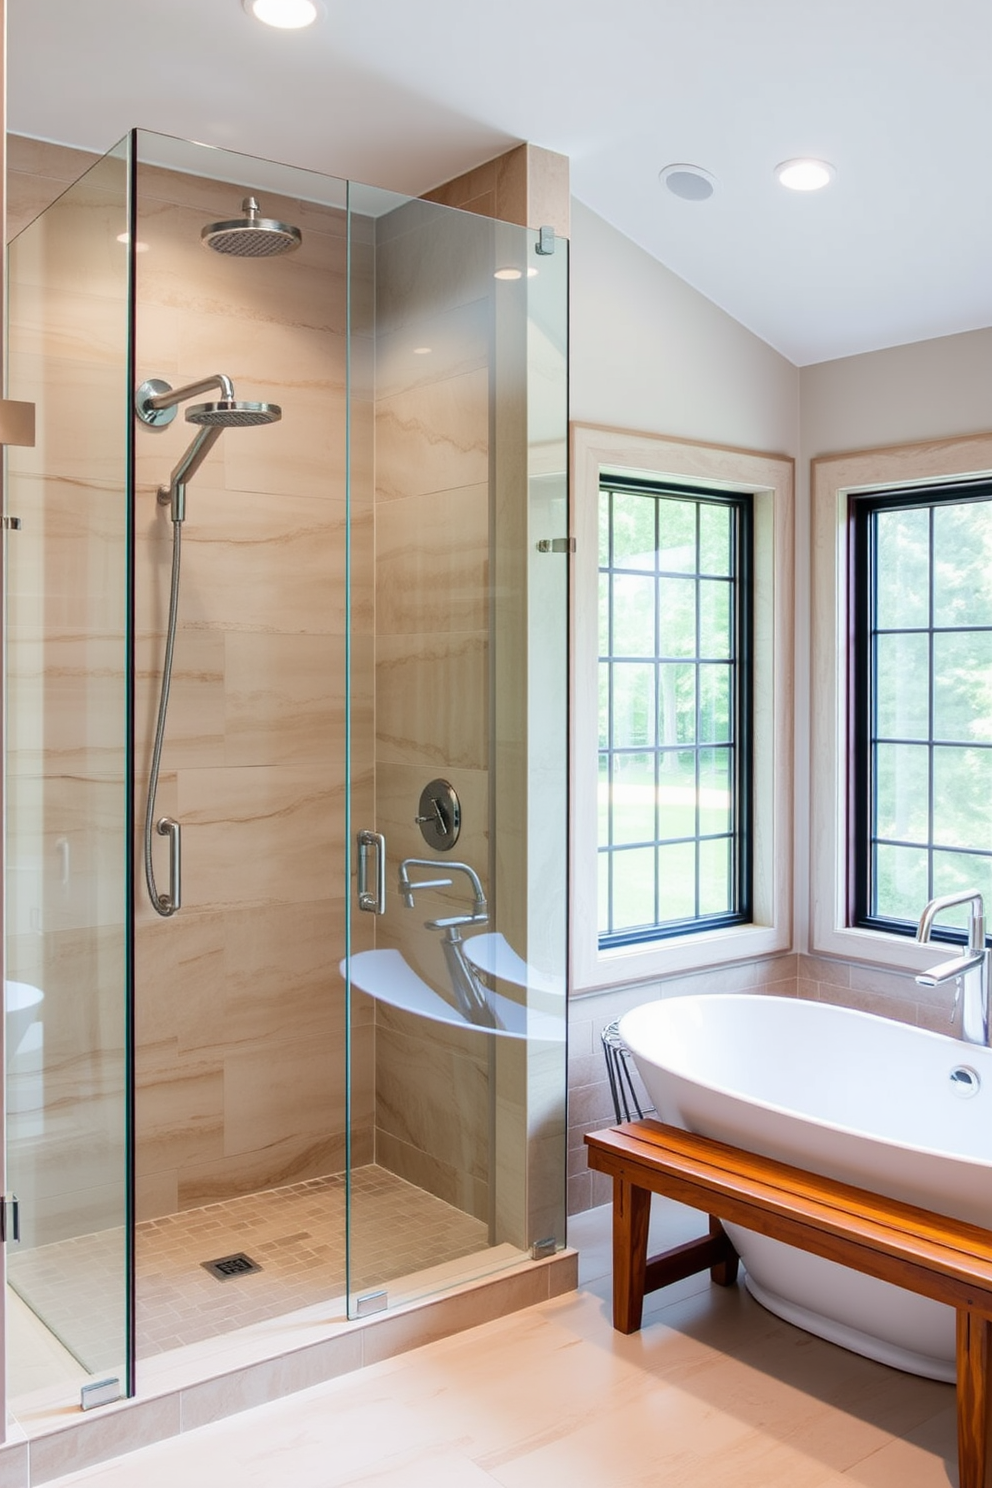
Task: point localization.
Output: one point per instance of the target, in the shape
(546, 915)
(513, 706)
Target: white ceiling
(897, 94)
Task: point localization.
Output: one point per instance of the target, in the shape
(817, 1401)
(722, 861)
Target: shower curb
(54, 1450)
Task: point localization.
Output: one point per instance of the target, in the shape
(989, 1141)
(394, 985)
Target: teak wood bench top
(946, 1259)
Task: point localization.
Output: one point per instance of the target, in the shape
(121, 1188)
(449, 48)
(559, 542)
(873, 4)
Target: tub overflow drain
(965, 1081)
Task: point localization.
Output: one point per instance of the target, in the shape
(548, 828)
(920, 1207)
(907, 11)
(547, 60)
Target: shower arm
(150, 402)
(174, 494)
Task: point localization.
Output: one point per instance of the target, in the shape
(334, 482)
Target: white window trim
(834, 479)
(596, 450)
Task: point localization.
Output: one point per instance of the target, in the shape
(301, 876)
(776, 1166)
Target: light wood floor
(714, 1392)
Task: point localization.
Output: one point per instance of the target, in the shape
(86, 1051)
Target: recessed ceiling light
(139, 246)
(288, 15)
(805, 175)
(512, 273)
(690, 182)
(422, 351)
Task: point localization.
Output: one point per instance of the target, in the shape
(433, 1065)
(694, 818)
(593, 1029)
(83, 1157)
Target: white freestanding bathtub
(867, 1100)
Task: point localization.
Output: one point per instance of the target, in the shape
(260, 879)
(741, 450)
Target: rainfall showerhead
(251, 236)
(228, 413)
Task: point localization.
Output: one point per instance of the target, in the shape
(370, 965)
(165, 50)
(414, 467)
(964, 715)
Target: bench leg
(974, 1366)
(724, 1273)
(631, 1214)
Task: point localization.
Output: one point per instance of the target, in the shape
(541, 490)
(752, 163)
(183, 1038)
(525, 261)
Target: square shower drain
(232, 1265)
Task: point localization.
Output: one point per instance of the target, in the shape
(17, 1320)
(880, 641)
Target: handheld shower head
(251, 236)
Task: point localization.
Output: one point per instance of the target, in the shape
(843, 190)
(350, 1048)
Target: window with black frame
(674, 710)
(921, 704)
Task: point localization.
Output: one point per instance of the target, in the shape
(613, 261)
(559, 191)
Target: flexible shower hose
(161, 903)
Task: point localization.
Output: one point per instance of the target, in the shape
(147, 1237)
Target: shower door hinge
(100, 1392)
(545, 244)
(16, 423)
(11, 524)
(10, 1218)
(371, 1302)
(556, 545)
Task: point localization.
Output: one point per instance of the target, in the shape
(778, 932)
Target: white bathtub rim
(866, 1344)
(716, 999)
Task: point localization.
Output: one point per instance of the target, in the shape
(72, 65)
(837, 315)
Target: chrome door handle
(171, 829)
(374, 903)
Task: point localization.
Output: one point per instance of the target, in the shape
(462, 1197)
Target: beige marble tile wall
(432, 663)
(240, 1013)
(870, 989)
(590, 1104)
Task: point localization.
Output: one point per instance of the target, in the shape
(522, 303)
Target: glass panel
(714, 618)
(902, 792)
(457, 1008)
(902, 669)
(604, 704)
(67, 790)
(962, 797)
(715, 880)
(605, 590)
(714, 538)
(715, 799)
(633, 531)
(676, 535)
(633, 798)
(603, 892)
(603, 801)
(677, 881)
(633, 706)
(962, 562)
(903, 570)
(962, 687)
(900, 882)
(633, 616)
(676, 794)
(633, 888)
(677, 704)
(240, 1005)
(676, 617)
(715, 721)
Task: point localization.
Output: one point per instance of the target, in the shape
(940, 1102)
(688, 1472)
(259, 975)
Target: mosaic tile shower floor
(295, 1234)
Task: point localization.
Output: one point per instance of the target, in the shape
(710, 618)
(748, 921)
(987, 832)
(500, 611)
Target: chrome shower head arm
(155, 402)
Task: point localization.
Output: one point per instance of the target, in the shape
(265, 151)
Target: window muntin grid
(922, 699)
(674, 705)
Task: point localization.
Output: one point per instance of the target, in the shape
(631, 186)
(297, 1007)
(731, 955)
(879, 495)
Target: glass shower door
(458, 727)
(67, 782)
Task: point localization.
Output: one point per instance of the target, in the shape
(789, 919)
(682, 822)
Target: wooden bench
(938, 1257)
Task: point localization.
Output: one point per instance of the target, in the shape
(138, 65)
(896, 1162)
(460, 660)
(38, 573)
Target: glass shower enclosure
(317, 1061)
